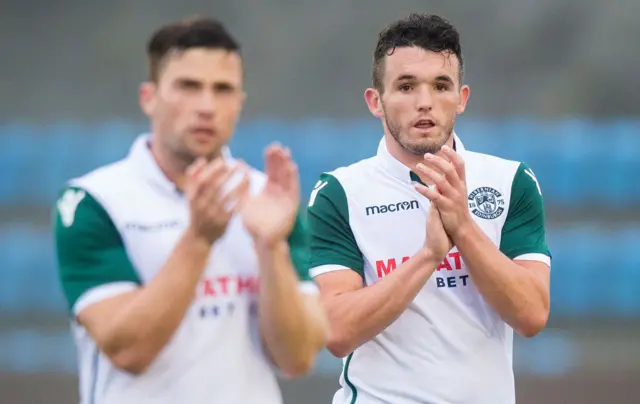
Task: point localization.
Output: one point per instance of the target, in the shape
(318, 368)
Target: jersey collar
(399, 170)
(140, 155)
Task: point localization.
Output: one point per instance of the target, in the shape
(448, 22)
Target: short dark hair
(199, 32)
(429, 32)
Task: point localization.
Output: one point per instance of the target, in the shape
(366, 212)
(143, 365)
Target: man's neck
(173, 168)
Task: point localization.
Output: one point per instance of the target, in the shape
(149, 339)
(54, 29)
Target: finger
(436, 178)
(456, 161)
(196, 167)
(233, 200)
(431, 194)
(211, 170)
(288, 171)
(443, 166)
(191, 173)
(211, 185)
(221, 184)
(270, 157)
(201, 180)
(279, 165)
(293, 179)
(286, 152)
(283, 166)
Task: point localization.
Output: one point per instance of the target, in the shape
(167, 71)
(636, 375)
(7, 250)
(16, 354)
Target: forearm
(143, 326)
(360, 315)
(293, 329)
(515, 293)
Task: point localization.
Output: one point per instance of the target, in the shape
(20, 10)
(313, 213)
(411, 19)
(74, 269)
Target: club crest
(486, 203)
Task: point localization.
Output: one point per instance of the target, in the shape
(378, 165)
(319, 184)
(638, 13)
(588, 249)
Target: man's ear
(373, 99)
(465, 91)
(147, 97)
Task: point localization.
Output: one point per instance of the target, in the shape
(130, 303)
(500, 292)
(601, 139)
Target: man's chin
(208, 151)
(424, 146)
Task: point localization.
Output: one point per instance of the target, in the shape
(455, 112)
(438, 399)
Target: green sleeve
(524, 229)
(89, 249)
(299, 247)
(331, 239)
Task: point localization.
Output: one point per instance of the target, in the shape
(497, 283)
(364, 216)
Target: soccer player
(178, 260)
(427, 255)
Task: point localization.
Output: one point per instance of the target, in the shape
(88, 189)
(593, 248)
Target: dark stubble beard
(417, 149)
(183, 156)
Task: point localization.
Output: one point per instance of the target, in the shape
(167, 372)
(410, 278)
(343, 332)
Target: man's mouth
(424, 124)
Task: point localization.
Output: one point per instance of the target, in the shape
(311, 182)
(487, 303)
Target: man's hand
(270, 215)
(211, 206)
(446, 171)
(437, 243)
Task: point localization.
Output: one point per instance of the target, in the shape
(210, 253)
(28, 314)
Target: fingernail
(445, 147)
(428, 156)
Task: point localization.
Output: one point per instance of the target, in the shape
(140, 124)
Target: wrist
(427, 259)
(197, 240)
(464, 231)
(266, 247)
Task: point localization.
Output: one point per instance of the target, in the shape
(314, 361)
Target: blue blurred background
(550, 87)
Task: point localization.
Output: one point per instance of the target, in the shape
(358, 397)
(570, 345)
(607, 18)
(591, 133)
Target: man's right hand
(212, 206)
(437, 243)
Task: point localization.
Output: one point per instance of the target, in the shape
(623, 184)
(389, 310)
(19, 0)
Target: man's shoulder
(354, 173)
(490, 160)
(488, 165)
(514, 177)
(103, 178)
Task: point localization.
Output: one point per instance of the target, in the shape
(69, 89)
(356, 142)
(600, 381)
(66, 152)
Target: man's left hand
(270, 215)
(446, 171)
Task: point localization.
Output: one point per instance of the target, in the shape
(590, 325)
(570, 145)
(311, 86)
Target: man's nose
(425, 99)
(206, 104)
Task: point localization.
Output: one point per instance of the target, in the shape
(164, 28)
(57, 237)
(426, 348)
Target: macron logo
(392, 207)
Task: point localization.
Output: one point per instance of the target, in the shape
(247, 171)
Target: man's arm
(356, 313)
(514, 278)
(291, 325)
(129, 322)
(292, 321)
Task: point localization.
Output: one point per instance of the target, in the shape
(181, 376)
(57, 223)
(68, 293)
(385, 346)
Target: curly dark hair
(429, 32)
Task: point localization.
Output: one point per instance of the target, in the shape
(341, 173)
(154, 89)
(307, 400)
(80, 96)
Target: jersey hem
(534, 257)
(323, 269)
(102, 292)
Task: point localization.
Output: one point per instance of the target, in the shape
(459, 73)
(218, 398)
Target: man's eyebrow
(444, 77)
(406, 77)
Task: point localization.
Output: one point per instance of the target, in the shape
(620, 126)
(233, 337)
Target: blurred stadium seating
(573, 159)
(583, 168)
(581, 165)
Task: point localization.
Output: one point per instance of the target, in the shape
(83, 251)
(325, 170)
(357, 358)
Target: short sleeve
(524, 232)
(332, 243)
(91, 256)
(299, 248)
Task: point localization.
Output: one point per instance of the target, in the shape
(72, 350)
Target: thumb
(196, 167)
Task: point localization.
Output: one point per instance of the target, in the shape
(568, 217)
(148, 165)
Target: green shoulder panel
(331, 239)
(90, 251)
(524, 230)
(299, 247)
